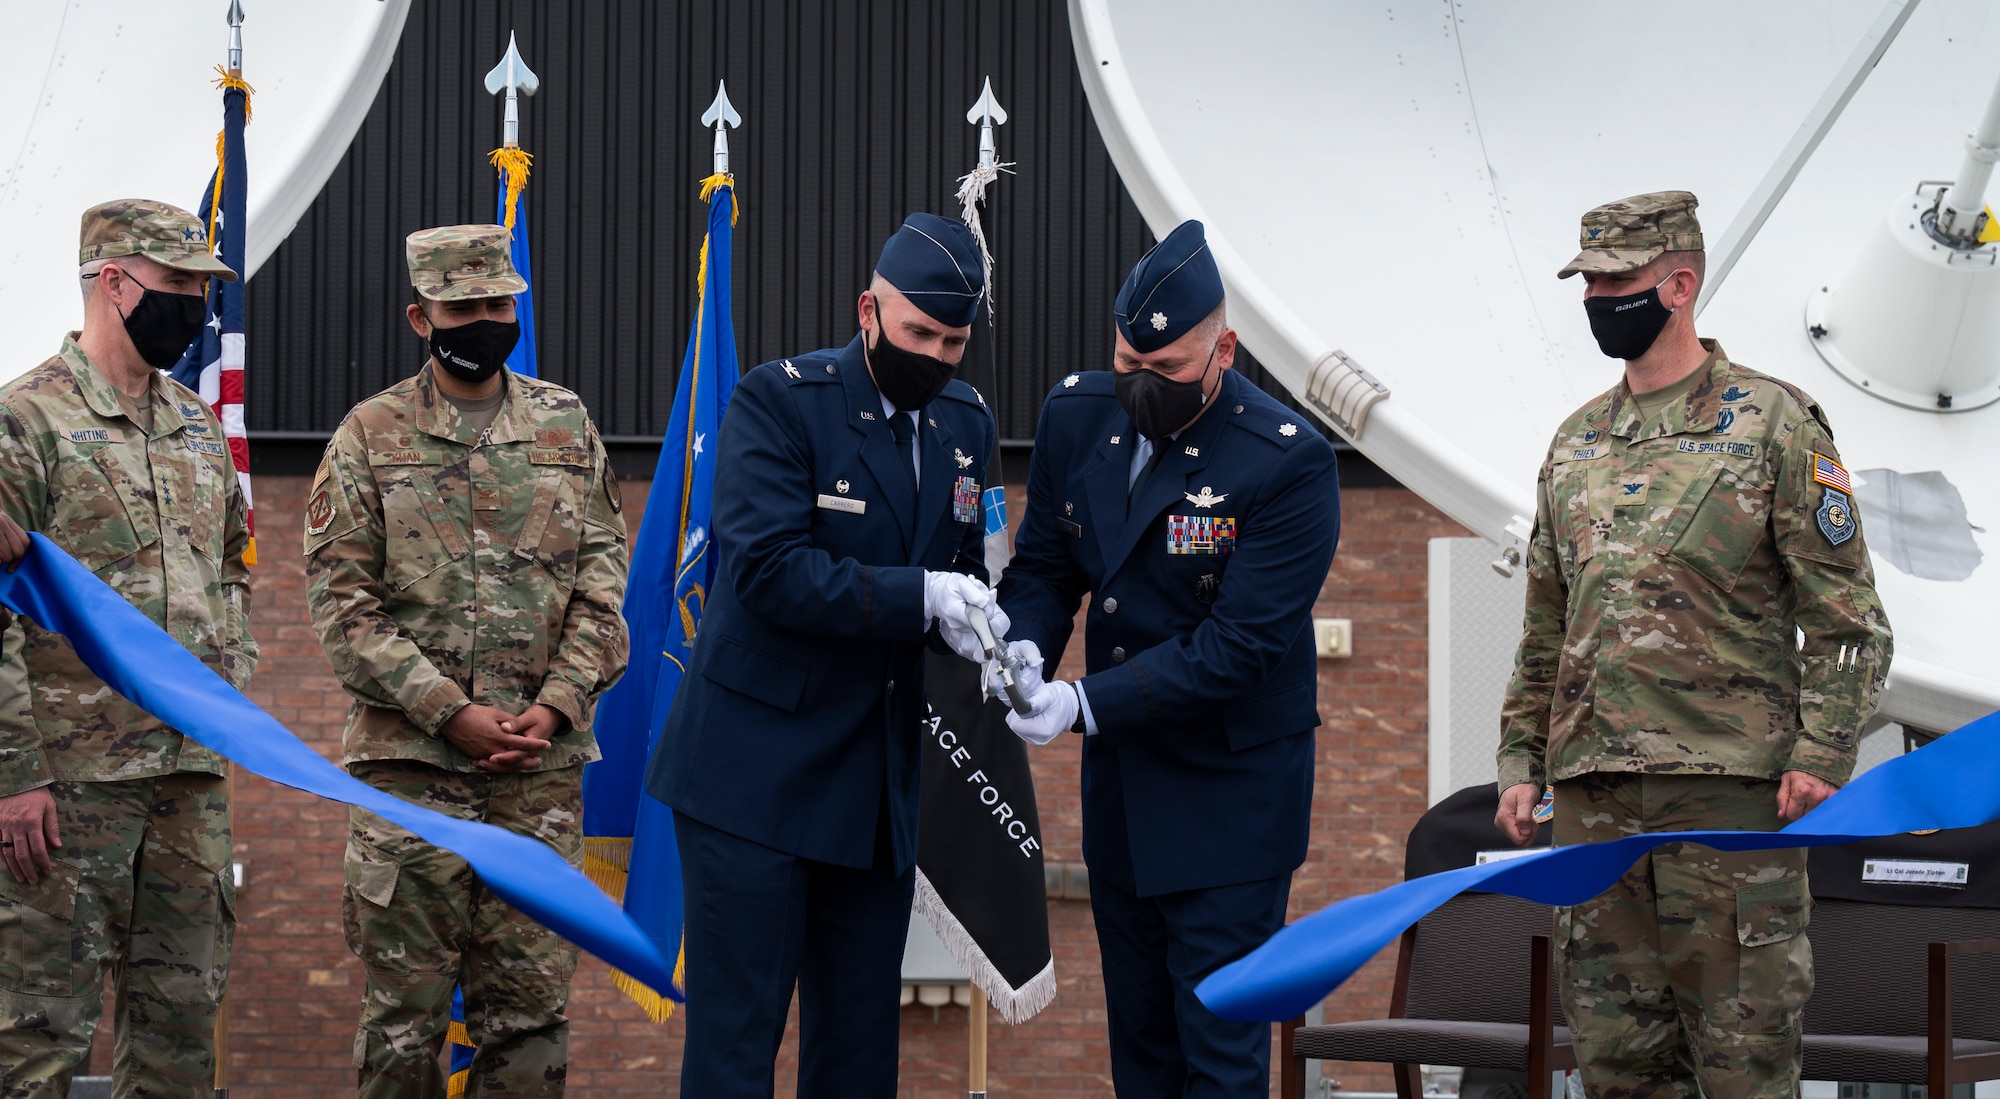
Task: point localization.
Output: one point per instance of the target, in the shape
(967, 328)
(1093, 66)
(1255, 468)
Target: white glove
(1054, 708)
(1028, 675)
(947, 595)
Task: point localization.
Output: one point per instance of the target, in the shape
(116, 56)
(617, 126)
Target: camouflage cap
(167, 235)
(463, 261)
(1633, 232)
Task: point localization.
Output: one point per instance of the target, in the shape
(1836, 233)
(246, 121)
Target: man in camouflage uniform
(467, 560)
(1690, 524)
(114, 828)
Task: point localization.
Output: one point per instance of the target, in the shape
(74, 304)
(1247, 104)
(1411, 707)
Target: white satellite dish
(116, 100)
(1390, 188)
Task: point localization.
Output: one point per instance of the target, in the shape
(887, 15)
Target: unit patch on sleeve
(1201, 534)
(319, 514)
(1836, 516)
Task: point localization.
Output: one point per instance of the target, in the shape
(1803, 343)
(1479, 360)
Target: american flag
(1828, 472)
(213, 365)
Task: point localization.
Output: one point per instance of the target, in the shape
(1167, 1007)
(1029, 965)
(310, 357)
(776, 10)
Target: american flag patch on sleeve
(1829, 472)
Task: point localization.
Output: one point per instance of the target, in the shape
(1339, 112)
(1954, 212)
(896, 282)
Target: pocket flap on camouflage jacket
(1772, 912)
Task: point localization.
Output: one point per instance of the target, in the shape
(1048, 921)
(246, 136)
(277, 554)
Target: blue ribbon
(1953, 782)
(145, 665)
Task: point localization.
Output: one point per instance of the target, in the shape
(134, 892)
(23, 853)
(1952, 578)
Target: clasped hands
(501, 742)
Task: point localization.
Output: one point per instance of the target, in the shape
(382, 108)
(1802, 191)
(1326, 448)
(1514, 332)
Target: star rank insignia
(1070, 382)
(1159, 322)
(1206, 498)
(790, 370)
(1288, 430)
(964, 459)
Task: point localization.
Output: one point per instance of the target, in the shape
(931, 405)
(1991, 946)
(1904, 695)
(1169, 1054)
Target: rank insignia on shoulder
(963, 459)
(1201, 534)
(1070, 382)
(1288, 430)
(965, 505)
(1836, 517)
(1830, 473)
(1206, 498)
(790, 370)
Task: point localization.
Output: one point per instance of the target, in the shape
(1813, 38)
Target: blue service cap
(935, 262)
(1170, 290)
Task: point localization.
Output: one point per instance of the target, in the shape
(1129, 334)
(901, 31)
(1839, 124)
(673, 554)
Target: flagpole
(235, 18)
(976, 1077)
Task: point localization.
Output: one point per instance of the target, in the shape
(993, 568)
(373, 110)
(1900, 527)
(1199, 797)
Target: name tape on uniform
(842, 503)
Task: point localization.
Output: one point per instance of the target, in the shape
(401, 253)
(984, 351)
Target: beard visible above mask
(163, 325)
(908, 379)
(1626, 326)
(474, 352)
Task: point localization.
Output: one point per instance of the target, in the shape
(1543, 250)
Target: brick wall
(295, 990)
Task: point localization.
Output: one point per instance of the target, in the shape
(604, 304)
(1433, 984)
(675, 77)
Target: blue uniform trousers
(1164, 1043)
(759, 922)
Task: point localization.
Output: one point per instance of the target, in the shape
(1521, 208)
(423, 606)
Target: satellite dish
(1389, 191)
(118, 101)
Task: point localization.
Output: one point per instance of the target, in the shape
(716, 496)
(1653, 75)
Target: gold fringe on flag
(607, 861)
(454, 1088)
(225, 80)
(512, 162)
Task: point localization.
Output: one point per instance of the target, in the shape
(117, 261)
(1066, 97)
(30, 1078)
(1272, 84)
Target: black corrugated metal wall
(853, 115)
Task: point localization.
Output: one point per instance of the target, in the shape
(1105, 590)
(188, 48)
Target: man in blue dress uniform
(847, 516)
(1199, 516)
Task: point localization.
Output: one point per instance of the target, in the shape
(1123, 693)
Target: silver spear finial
(513, 76)
(721, 116)
(988, 113)
(236, 37)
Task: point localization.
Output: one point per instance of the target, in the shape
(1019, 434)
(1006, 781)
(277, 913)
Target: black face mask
(162, 325)
(908, 379)
(1159, 407)
(474, 352)
(1626, 326)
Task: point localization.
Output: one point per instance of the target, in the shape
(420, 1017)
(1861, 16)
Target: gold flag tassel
(225, 80)
(607, 861)
(512, 162)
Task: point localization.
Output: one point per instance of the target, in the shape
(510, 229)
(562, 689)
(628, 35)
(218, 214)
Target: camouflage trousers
(1694, 969)
(421, 923)
(141, 887)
